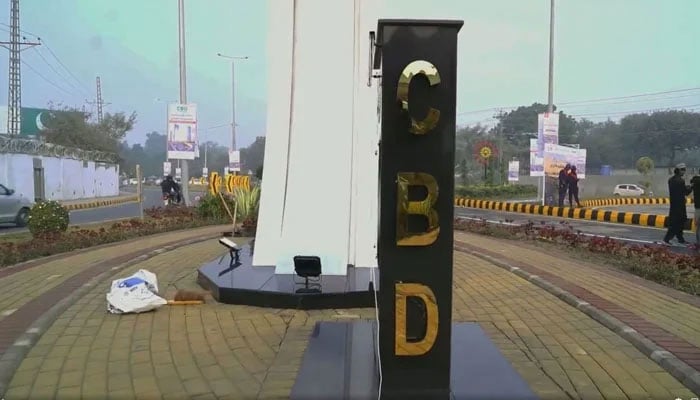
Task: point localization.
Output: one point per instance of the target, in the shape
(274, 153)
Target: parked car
(630, 190)
(14, 208)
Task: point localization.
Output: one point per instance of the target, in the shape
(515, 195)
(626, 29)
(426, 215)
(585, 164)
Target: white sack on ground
(135, 294)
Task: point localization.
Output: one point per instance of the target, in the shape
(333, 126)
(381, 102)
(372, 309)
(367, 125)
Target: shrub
(655, 263)
(158, 220)
(211, 206)
(490, 192)
(48, 218)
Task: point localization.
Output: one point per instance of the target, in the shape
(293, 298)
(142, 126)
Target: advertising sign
(182, 131)
(547, 130)
(513, 170)
(178, 173)
(555, 159)
(167, 168)
(234, 160)
(536, 161)
(205, 172)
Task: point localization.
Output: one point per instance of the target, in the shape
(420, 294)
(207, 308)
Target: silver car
(14, 208)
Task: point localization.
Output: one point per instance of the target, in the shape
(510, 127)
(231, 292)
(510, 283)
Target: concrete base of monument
(242, 283)
(340, 363)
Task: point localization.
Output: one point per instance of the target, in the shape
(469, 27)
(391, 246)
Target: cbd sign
(182, 108)
(415, 243)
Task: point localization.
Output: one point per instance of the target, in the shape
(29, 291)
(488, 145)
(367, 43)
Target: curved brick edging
(100, 203)
(25, 334)
(636, 330)
(627, 218)
(630, 201)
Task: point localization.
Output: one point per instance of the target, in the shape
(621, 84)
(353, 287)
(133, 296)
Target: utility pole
(98, 100)
(183, 93)
(233, 95)
(16, 45)
(550, 97)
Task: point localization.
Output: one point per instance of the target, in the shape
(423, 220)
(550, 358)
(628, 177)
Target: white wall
(323, 154)
(64, 178)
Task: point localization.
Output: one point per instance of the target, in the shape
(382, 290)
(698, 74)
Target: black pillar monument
(415, 246)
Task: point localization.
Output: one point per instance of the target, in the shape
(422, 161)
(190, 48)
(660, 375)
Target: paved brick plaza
(220, 351)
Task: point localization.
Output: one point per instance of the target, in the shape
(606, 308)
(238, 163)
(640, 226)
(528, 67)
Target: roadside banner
(182, 131)
(167, 168)
(234, 160)
(547, 130)
(513, 170)
(536, 161)
(555, 159)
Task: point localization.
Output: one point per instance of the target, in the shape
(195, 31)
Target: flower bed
(156, 220)
(655, 263)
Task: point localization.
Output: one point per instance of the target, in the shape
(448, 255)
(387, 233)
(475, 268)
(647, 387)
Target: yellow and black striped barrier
(83, 205)
(628, 218)
(215, 181)
(619, 201)
(234, 181)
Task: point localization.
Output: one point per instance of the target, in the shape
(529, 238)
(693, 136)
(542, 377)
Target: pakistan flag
(34, 121)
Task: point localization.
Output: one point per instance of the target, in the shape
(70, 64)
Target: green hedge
(491, 192)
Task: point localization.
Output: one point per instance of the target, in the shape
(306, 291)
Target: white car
(629, 190)
(14, 208)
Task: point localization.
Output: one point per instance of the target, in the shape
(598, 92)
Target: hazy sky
(604, 48)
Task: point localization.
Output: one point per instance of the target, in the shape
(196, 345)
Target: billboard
(182, 131)
(513, 171)
(234, 160)
(547, 130)
(536, 160)
(555, 159)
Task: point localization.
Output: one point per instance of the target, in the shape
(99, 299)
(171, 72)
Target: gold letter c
(418, 67)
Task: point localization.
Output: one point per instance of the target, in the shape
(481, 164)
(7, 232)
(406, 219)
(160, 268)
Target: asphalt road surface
(151, 198)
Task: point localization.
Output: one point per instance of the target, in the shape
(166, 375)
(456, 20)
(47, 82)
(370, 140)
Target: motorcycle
(170, 199)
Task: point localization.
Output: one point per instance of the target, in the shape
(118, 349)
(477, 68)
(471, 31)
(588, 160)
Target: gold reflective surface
(402, 346)
(405, 207)
(418, 67)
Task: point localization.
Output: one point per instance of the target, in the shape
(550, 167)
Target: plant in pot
(247, 204)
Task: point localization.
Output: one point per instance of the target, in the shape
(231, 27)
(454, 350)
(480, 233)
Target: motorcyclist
(169, 187)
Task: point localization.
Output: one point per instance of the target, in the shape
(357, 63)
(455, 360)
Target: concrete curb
(96, 203)
(13, 357)
(666, 360)
(630, 201)
(588, 214)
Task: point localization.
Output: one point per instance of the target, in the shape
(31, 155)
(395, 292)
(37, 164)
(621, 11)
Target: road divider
(97, 202)
(630, 201)
(619, 217)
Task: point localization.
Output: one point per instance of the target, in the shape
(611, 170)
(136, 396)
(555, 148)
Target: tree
(72, 128)
(519, 125)
(645, 165)
(663, 135)
(253, 156)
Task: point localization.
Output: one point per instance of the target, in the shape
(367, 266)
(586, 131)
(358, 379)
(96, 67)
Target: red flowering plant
(653, 262)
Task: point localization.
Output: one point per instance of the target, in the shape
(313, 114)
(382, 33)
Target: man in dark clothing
(677, 190)
(695, 185)
(169, 186)
(573, 187)
(563, 183)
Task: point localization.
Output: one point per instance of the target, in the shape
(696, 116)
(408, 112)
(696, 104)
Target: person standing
(573, 187)
(677, 215)
(695, 185)
(563, 183)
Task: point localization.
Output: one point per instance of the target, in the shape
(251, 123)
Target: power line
(61, 76)
(492, 109)
(680, 108)
(66, 68)
(46, 79)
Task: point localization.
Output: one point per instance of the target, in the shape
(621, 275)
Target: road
(647, 209)
(151, 198)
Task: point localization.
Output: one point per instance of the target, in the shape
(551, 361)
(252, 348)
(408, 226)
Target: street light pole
(183, 93)
(550, 99)
(233, 95)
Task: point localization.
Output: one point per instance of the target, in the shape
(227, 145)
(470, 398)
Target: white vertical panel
(279, 79)
(316, 212)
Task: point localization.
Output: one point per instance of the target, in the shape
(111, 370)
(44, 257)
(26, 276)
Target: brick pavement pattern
(20, 285)
(669, 318)
(221, 351)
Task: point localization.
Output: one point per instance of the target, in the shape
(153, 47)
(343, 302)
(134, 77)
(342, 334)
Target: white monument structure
(320, 182)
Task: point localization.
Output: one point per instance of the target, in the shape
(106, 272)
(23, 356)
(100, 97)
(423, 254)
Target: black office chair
(309, 268)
